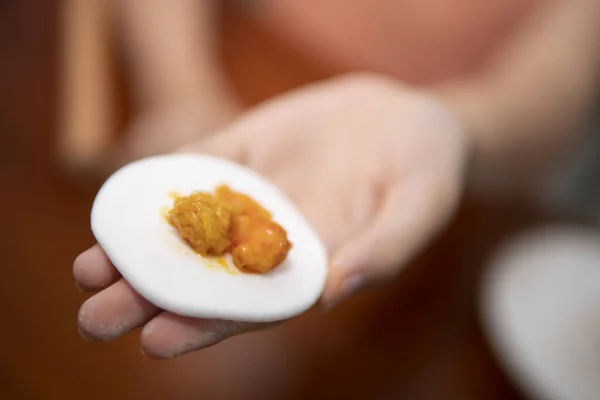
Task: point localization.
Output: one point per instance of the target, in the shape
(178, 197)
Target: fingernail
(347, 289)
(84, 336)
(79, 288)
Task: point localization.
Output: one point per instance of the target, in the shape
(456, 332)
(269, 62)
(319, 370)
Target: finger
(411, 215)
(93, 270)
(169, 335)
(114, 312)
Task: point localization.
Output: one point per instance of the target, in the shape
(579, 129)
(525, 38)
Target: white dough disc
(128, 222)
(541, 311)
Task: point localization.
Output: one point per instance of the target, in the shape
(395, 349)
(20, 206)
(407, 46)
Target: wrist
(475, 106)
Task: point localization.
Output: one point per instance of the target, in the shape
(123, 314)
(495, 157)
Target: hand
(376, 167)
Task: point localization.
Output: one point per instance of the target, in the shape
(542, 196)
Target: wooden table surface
(416, 340)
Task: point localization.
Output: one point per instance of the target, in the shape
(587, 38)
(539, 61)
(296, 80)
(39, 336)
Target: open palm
(376, 168)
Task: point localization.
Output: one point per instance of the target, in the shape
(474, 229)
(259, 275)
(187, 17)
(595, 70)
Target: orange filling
(228, 221)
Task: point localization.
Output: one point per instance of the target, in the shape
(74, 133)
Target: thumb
(411, 215)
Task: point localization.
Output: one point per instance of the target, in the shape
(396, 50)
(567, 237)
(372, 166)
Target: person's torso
(418, 41)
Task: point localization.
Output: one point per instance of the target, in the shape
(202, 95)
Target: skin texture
(366, 168)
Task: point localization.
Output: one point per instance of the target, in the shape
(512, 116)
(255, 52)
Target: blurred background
(418, 339)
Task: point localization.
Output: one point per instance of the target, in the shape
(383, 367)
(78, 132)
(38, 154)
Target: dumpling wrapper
(128, 221)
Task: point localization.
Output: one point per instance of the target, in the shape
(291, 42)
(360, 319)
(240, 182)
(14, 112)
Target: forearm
(171, 47)
(530, 106)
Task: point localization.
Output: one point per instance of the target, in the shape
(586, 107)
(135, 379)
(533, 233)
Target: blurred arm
(171, 47)
(531, 105)
(86, 113)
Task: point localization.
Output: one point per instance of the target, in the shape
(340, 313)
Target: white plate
(541, 311)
